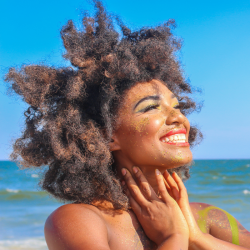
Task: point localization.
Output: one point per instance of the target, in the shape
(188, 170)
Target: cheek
(147, 126)
(139, 126)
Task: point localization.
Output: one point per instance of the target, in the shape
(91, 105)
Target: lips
(175, 137)
(176, 131)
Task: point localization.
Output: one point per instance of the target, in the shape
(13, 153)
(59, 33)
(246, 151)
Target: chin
(177, 160)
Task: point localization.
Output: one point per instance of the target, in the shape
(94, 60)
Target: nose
(175, 117)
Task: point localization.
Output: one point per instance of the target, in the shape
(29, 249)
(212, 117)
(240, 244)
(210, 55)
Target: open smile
(175, 137)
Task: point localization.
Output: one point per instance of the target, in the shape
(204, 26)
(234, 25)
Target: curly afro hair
(72, 110)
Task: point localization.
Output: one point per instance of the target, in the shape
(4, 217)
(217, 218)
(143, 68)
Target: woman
(121, 106)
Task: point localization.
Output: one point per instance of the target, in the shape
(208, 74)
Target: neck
(148, 171)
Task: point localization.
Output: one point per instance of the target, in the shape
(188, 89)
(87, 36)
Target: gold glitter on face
(177, 158)
(172, 112)
(148, 112)
(140, 125)
(175, 104)
(146, 105)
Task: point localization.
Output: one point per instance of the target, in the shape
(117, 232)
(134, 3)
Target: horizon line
(198, 159)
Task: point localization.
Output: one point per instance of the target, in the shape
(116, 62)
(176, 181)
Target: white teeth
(181, 138)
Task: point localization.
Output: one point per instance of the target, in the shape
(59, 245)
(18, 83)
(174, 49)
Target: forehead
(141, 90)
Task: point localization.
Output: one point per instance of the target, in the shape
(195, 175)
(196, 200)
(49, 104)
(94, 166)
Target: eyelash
(156, 106)
(150, 107)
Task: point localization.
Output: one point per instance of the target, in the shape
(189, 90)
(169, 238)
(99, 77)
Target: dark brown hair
(72, 110)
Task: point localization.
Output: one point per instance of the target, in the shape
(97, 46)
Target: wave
(12, 190)
(15, 194)
(246, 191)
(24, 244)
(34, 175)
(202, 196)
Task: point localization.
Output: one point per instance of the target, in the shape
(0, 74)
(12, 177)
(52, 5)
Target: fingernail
(157, 172)
(166, 172)
(135, 170)
(123, 183)
(176, 174)
(124, 171)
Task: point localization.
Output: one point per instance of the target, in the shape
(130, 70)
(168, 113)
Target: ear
(114, 144)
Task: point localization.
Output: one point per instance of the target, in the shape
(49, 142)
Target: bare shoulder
(220, 224)
(196, 207)
(76, 226)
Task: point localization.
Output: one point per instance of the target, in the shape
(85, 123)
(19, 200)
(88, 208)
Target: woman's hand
(178, 192)
(197, 240)
(161, 218)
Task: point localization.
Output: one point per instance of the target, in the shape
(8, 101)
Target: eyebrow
(153, 97)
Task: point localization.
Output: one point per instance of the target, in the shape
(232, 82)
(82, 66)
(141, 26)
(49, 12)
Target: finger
(166, 184)
(134, 189)
(161, 187)
(168, 188)
(173, 185)
(181, 186)
(144, 186)
(133, 204)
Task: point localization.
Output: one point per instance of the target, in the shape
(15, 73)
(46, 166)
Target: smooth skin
(178, 192)
(83, 227)
(156, 215)
(149, 110)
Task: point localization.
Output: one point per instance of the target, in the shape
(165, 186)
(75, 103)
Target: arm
(222, 228)
(174, 242)
(208, 242)
(223, 231)
(76, 227)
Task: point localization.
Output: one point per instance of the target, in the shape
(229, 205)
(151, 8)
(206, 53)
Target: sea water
(24, 207)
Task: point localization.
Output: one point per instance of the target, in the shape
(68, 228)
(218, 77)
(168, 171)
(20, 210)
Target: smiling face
(151, 132)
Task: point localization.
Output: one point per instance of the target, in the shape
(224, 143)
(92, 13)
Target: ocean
(24, 207)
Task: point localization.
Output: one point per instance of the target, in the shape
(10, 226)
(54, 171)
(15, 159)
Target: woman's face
(151, 132)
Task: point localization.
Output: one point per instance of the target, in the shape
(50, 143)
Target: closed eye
(150, 107)
(177, 106)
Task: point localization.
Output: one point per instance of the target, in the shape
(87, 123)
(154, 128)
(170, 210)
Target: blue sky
(215, 56)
